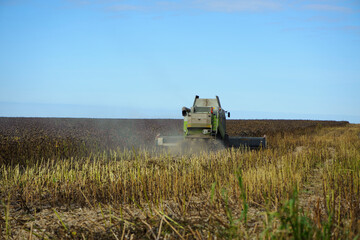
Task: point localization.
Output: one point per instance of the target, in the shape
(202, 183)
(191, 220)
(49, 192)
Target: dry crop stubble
(145, 194)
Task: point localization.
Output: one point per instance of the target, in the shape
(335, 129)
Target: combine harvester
(205, 122)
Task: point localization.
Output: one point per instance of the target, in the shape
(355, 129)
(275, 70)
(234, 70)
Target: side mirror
(184, 111)
(228, 114)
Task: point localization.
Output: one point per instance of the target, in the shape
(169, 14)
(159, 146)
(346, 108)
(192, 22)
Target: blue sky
(142, 59)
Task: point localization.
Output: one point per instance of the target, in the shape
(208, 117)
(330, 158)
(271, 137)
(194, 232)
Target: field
(103, 179)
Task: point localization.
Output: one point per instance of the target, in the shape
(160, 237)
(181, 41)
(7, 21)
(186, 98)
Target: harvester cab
(206, 119)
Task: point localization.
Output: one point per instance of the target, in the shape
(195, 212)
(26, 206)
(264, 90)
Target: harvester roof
(207, 102)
